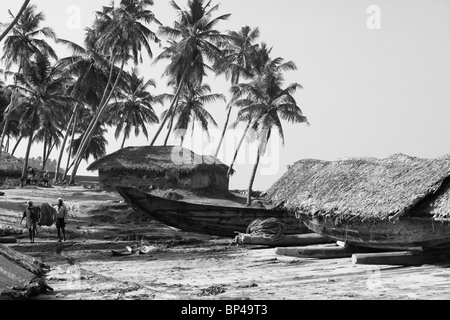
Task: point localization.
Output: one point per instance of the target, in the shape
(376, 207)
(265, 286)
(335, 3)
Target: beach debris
(212, 291)
(8, 230)
(140, 248)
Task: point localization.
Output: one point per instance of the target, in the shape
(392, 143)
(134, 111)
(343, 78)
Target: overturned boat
(397, 202)
(205, 218)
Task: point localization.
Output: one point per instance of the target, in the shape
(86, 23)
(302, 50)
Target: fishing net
(47, 215)
(270, 229)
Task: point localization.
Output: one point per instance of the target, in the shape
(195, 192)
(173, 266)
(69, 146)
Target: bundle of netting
(270, 229)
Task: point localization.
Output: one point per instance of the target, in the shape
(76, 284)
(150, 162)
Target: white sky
(366, 92)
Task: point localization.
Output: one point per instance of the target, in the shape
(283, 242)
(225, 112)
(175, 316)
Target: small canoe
(206, 219)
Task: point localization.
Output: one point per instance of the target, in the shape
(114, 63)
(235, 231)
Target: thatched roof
(366, 188)
(10, 165)
(158, 159)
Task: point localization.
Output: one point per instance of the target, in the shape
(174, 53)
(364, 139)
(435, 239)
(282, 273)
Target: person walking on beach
(61, 218)
(32, 214)
(30, 175)
(45, 178)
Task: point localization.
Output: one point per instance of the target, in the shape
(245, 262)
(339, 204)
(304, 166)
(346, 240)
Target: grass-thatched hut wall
(162, 167)
(10, 167)
(362, 189)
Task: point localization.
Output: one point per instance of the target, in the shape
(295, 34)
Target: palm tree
(192, 41)
(16, 19)
(122, 34)
(24, 41)
(96, 147)
(190, 110)
(239, 50)
(22, 44)
(50, 133)
(90, 69)
(257, 61)
(43, 90)
(268, 103)
(133, 108)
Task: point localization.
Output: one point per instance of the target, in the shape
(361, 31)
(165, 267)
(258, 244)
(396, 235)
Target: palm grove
(68, 103)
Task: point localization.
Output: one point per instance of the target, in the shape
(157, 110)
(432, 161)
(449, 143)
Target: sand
(181, 265)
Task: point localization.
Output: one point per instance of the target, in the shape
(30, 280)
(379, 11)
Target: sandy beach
(181, 265)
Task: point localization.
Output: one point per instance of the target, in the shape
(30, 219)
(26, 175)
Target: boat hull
(404, 233)
(206, 219)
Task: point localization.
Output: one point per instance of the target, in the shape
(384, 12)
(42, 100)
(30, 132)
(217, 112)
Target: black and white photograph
(224, 154)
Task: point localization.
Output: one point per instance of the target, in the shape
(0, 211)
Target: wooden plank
(286, 241)
(402, 258)
(328, 252)
(8, 240)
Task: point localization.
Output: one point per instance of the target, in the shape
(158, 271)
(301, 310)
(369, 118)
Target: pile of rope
(270, 229)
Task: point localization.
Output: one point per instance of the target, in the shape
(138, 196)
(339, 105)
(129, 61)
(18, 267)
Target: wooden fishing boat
(399, 202)
(405, 233)
(206, 219)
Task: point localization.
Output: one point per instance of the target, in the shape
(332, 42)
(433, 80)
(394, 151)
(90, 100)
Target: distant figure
(30, 175)
(45, 178)
(61, 218)
(32, 214)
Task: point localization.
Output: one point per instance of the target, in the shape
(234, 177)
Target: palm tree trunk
(123, 142)
(227, 120)
(225, 127)
(51, 145)
(16, 19)
(93, 123)
(44, 154)
(27, 155)
(63, 145)
(7, 144)
(8, 109)
(230, 169)
(181, 140)
(70, 150)
(169, 131)
(171, 123)
(252, 179)
(172, 104)
(16, 145)
(5, 127)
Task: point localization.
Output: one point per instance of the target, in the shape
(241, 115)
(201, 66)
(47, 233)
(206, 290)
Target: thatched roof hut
(159, 165)
(366, 188)
(10, 166)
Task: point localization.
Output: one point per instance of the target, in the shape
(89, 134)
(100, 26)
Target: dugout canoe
(394, 203)
(222, 221)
